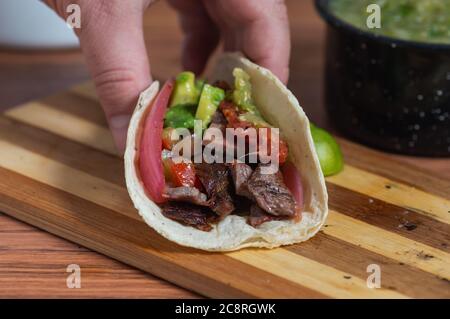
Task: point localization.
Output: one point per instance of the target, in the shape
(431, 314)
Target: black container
(387, 93)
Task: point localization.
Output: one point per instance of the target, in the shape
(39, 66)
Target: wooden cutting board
(59, 172)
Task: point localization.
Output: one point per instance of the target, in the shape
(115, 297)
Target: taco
(238, 202)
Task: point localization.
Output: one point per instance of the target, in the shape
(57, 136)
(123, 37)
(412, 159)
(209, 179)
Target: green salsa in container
(389, 88)
(414, 20)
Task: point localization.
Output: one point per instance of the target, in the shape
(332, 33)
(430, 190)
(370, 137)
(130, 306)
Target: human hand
(112, 41)
(258, 28)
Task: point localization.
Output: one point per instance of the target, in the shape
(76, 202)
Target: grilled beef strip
(188, 214)
(271, 193)
(215, 178)
(186, 194)
(258, 216)
(241, 172)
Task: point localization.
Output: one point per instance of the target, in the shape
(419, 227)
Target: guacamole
(415, 20)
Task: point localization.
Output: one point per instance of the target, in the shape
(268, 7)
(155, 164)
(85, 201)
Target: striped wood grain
(44, 272)
(60, 153)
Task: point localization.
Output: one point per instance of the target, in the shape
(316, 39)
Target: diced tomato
(150, 162)
(231, 113)
(183, 174)
(180, 174)
(283, 151)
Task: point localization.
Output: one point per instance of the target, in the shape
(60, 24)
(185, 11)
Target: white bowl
(30, 24)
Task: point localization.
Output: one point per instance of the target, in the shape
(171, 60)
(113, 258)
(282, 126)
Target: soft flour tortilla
(281, 109)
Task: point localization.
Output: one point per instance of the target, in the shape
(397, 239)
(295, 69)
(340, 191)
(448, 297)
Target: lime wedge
(328, 150)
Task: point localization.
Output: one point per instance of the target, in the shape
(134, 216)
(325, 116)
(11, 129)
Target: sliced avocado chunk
(328, 151)
(199, 84)
(242, 93)
(181, 115)
(209, 102)
(186, 90)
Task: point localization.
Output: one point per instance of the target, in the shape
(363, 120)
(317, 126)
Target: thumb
(114, 48)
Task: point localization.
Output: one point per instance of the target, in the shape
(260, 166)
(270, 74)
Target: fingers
(116, 55)
(112, 41)
(258, 28)
(201, 36)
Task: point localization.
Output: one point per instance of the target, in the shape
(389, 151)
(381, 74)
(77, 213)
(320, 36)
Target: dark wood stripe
(354, 260)
(399, 220)
(73, 154)
(77, 105)
(382, 164)
(133, 242)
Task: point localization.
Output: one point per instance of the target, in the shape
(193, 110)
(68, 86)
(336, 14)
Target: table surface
(33, 263)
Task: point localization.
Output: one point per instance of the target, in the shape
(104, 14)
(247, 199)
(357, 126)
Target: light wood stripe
(397, 169)
(116, 198)
(390, 217)
(353, 259)
(386, 243)
(310, 273)
(70, 153)
(393, 192)
(66, 178)
(64, 124)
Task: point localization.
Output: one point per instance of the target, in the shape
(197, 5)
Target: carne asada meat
(258, 216)
(241, 172)
(189, 214)
(186, 194)
(216, 180)
(219, 121)
(271, 194)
